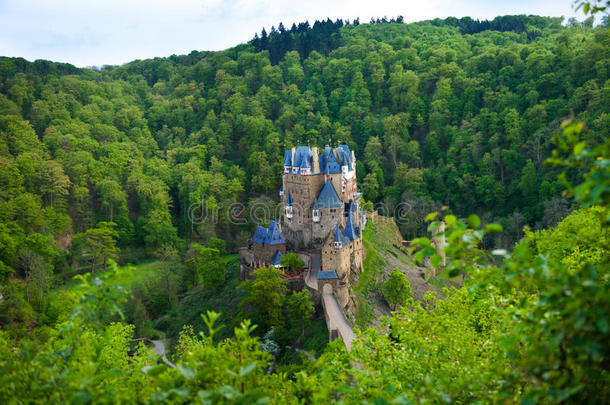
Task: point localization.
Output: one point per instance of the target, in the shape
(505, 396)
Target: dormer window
(287, 169)
(344, 169)
(281, 192)
(289, 212)
(295, 170)
(315, 214)
(338, 245)
(305, 171)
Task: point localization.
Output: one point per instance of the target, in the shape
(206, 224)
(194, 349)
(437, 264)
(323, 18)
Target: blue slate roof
(352, 206)
(277, 256)
(274, 236)
(328, 163)
(351, 231)
(328, 197)
(259, 235)
(288, 200)
(288, 157)
(344, 156)
(340, 237)
(302, 157)
(327, 275)
(269, 236)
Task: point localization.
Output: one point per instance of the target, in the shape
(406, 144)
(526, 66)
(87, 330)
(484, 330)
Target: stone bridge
(336, 321)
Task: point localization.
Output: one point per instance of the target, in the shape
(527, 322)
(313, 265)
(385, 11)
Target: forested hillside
(121, 163)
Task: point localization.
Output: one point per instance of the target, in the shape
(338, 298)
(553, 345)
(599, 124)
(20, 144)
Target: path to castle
(160, 351)
(312, 278)
(335, 317)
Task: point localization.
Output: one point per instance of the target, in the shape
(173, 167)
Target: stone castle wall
(265, 252)
(304, 189)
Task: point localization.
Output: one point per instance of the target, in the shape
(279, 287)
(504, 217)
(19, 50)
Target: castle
(321, 219)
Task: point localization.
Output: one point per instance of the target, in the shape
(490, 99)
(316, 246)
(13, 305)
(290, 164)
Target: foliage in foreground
(529, 326)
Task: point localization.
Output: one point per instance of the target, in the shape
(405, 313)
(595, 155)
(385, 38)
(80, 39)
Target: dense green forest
(455, 115)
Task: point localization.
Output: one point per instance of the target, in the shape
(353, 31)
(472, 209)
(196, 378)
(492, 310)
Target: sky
(113, 32)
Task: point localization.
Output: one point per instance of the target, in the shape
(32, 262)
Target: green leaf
(450, 220)
(493, 228)
(454, 273)
(579, 147)
(186, 371)
(153, 370)
(228, 392)
(474, 221)
(247, 369)
(435, 261)
(431, 216)
(81, 398)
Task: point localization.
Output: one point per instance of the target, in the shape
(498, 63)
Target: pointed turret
(287, 160)
(351, 230)
(328, 197)
(275, 260)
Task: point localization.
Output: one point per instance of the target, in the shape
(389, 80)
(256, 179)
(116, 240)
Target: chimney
(316, 162)
(294, 149)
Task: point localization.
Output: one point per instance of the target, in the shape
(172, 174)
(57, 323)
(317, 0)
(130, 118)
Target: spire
(274, 236)
(351, 231)
(287, 157)
(277, 256)
(340, 240)
(328, 197)
(337, 234)
(329, 162)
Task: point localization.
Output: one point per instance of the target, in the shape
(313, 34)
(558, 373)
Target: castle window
(289, 212)
(316, 215)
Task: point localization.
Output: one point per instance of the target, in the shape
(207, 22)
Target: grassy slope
(199, 300)
(382, 243)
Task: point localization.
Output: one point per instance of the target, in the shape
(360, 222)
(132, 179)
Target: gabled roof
(344, 156)
(269, 236)
(328, 197)
(302, 157)
(277, 256)
(259, 235)
(328, 163)
(327, 275)
(351, 231)
(274, 236)
(288, 157)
